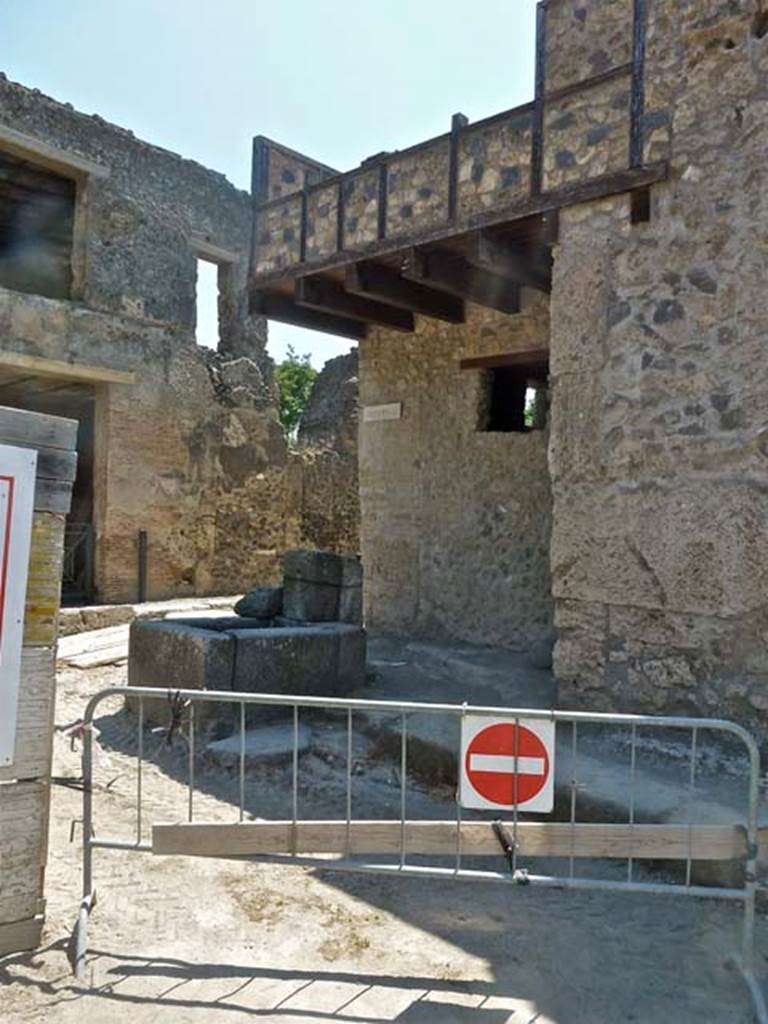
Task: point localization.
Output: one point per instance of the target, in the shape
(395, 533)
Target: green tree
(295, 377)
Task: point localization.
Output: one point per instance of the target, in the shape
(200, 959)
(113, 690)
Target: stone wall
(660, 393)
(329, 504)
(191, 451)
(455, 521)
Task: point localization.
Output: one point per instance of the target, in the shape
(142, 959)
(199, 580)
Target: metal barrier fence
(461, 839)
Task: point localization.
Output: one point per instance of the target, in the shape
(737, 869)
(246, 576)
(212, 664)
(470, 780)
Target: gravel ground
(182, 940)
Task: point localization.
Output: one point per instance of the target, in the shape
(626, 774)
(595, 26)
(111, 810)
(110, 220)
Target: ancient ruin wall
(660, 393)
(192, 451)
(455, 521)
(328, 505)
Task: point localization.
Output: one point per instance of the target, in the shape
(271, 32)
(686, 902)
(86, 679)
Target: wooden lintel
(455, 276)
(280, 307)
(328, 297)
(375, 281)
(537, 360)
(436, 838)
(509, 260)
(40, 367)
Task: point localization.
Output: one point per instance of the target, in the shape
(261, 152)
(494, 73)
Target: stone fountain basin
(250, 655)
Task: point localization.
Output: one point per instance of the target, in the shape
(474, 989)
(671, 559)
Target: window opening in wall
(513, 399)
(37, 214)
(208, 325)
(640, 206)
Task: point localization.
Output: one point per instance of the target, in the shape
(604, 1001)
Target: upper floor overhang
(470, 215)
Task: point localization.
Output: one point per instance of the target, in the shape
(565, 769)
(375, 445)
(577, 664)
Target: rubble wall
(455, 521)
(660, 394)
(192, 451)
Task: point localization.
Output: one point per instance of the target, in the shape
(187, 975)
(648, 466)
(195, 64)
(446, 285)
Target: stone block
(351, 592)
(309, 601)
(313, 566)
(302, 659)
(261, 603)
(352, 658)
(178, 656)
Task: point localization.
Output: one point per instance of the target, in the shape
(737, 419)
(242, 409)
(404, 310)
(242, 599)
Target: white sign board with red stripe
(507, 762)
(17, 498)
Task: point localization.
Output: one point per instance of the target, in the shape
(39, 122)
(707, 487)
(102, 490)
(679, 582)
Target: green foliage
(295, 377)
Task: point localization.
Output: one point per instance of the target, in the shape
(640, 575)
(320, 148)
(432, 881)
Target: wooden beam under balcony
(276, 306)
(454, 275)
(511, 260)
(376, 281)
(326, 296)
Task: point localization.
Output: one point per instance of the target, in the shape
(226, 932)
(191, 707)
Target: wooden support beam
(455, 276)
(535, 360)
(375, 281)
(40, 367)
(275, 306)
(509, 259)
(328, 297)
(437, 838)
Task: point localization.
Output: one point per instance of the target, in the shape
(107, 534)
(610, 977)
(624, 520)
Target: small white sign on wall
(376, 413)
(18, 467)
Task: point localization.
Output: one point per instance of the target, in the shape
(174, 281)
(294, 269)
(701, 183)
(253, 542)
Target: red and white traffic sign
(17, 492)
(507, 762)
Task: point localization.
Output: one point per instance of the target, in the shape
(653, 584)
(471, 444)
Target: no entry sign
(17, 494)
(505, 762)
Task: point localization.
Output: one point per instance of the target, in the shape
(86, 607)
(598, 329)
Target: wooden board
(23, 841)
(44, 580)
(33, 429)
(21, 935)
(34, 724)
(539, 839)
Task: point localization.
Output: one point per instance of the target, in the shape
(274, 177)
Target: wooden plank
(34, 723)
(34, 429)
(509, 260)
(327, 297)
(374, 281)
(281, 308)
(71, 371)
(44, 581)
(62, 161)
(23, 842)
(637, 107)
(458, 121)
(539, 839)
(455, 276)
(537, 359)
(21, 935)
(53, 495)
(207, 250)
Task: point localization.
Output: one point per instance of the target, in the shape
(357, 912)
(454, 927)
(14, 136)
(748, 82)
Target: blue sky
(336, 79)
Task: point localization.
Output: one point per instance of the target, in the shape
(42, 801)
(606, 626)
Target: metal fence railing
(446, 848)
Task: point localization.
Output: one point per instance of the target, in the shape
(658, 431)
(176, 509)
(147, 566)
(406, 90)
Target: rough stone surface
(262, 603)
(657, 454)
(301, 659)
(455, 521)
(175, 656)
(265, 744)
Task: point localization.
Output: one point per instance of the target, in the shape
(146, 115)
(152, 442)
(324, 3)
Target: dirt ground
(180, 940)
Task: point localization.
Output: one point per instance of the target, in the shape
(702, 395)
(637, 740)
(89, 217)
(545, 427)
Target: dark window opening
(514, 399)
(640, 210)
(37, 213)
